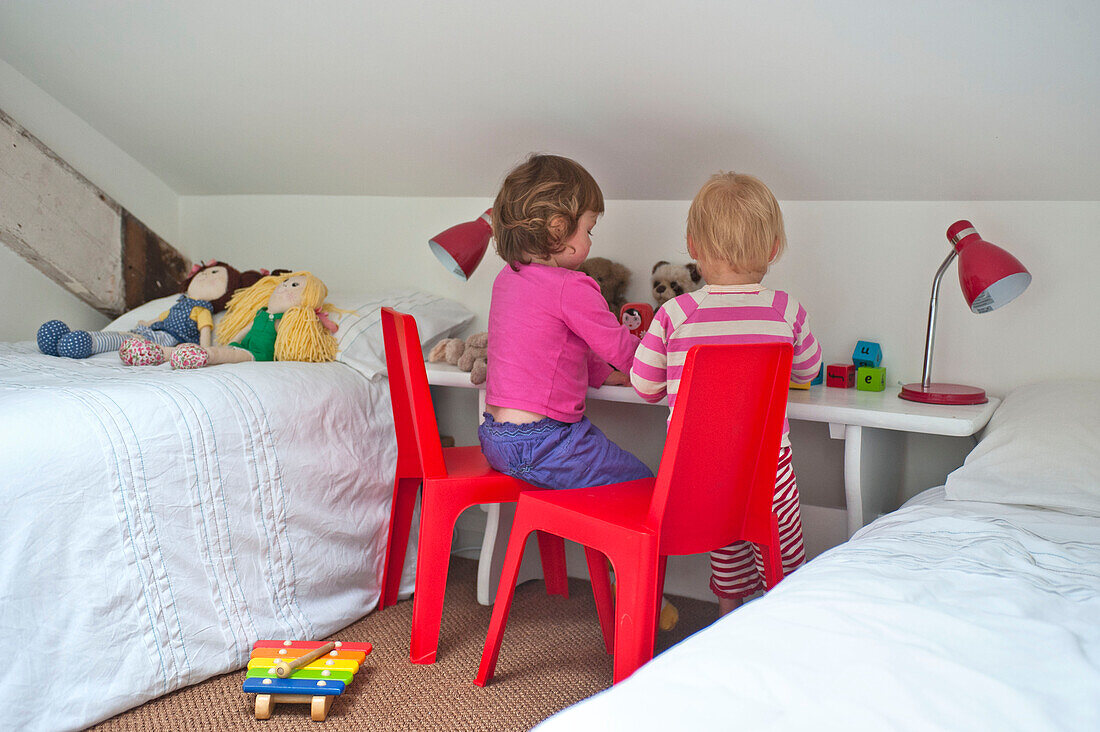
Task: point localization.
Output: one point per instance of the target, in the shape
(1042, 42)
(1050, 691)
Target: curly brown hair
(533, 196)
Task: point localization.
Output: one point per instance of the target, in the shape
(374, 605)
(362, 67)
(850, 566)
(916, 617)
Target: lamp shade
(461, 247)
(990, 277)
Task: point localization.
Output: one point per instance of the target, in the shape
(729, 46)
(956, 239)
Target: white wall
(30, 297)
(863, 269)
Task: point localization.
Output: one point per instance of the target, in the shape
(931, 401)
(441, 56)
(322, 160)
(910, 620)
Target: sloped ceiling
(824, 100)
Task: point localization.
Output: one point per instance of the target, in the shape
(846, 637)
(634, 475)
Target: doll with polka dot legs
(189, 320)
(280, 318)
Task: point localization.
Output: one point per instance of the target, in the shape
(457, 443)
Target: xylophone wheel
(264, 705)
(319, 707)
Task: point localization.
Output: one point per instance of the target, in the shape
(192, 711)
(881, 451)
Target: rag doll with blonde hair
(280, 318)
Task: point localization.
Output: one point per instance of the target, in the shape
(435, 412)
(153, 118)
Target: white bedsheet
(154, 523)
(944, 615)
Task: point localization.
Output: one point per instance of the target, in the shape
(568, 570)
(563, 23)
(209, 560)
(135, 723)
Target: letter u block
(867, 353)
(871, 378)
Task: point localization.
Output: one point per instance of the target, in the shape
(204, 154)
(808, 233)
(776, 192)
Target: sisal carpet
(552, 656)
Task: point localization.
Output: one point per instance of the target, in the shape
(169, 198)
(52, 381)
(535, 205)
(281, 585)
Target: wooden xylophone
(301, 672)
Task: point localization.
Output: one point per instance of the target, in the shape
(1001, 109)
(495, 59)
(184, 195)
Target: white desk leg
(872, 471)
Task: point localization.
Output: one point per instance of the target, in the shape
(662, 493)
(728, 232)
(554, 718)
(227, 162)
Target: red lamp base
(943, 394)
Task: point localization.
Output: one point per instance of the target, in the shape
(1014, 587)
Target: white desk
(872, 425)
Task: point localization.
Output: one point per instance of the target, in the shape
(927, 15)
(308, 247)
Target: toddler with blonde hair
(734, 233)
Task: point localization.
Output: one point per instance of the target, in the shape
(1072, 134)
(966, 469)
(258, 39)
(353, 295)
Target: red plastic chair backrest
(419, 452)
(716, 480)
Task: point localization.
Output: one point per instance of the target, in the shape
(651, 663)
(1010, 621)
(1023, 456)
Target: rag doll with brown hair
(280, 318)
(190, 319)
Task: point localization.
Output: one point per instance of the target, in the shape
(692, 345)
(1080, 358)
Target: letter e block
(871, 378)
(867, 353)
(840, 375)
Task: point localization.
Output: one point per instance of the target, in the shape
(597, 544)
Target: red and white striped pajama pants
(738, 569)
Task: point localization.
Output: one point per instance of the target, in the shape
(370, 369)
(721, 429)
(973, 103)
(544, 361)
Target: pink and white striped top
(721, 314)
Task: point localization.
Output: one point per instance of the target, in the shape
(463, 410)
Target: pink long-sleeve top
(551, 336)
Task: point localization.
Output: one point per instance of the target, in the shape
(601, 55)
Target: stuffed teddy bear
(612, 278)
(670, 280)
(469, 355)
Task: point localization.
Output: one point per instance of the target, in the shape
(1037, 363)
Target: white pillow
(360, 333)
(1041, 448)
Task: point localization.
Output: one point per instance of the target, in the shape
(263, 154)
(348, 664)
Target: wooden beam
(76, 234)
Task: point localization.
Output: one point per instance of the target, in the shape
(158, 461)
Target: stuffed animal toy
(189, 320)
(670, 280)
(280, 318)
(469, 355)
(612, 278)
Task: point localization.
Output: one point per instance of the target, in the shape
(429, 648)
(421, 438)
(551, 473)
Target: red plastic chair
(453, 479)
(715, 486)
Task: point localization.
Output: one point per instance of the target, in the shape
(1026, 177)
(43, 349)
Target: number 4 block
(840, 375)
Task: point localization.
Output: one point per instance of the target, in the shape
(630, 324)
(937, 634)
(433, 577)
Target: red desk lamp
(461, 247)
(990, 277)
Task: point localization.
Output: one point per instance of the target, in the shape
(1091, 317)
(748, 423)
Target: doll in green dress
(280, 318)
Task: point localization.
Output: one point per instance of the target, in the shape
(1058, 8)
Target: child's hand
(616, 378)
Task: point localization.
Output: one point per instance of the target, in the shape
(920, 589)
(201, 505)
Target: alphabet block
(820, 378)
(871, 378)
(867, 353)
(840, 375)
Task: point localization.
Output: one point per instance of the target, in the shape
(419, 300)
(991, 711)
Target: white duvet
(945, 615)
(154, 523)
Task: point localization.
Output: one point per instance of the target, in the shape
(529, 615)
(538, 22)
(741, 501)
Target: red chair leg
(552, 554)
(401, 513)
(601, 592)
(437, 520)
(637, 603)
(773, 557)
(517, 540)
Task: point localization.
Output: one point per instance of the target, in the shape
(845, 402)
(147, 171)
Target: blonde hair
(533, 193)
(735, 218)
(301, 335)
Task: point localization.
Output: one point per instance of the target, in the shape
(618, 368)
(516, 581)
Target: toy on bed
(301, 672)
(670, 280)
(280, 318)
(189, 320)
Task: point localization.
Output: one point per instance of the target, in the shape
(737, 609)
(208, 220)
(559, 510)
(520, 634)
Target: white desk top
(883, 409)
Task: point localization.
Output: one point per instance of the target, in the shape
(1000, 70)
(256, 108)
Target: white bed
(974, 607)
(155, 523)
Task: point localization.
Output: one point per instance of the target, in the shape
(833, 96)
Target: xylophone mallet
(284, 669)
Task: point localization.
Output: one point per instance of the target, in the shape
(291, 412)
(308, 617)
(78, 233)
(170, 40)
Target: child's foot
(75, 344)
(189, 356)
(139, 352)
(49, 334)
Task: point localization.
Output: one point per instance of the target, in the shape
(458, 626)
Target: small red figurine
(636, 316)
